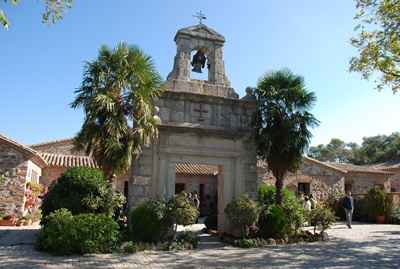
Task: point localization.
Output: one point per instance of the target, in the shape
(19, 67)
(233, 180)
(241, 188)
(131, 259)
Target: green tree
(378, 41)
(374, 149)
(282, 123)
(336, 151)
(117, 95)
(54, 11)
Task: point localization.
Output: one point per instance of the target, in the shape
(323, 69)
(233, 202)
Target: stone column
(181, 62)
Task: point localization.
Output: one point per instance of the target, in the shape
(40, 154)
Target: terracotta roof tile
(61, 160)
(196, 169)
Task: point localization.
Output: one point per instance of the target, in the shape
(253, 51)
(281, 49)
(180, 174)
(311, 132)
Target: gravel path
(365, 246)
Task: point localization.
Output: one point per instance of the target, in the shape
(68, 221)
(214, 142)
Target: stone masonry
(202, 122)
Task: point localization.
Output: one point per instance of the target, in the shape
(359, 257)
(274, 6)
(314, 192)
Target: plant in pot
(376, 200)
(8, 220)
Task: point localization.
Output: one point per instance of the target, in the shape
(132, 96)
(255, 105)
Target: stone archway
(225, 191)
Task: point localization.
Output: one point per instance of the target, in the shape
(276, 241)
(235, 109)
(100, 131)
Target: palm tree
(282, 123)
(117, 95)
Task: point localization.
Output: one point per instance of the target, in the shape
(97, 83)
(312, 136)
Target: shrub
(273, 223)
(133, 247)
(65, 233)
(395, 216)
(181, 211)
(189, 238)
(242, 212)
(82, 190)
(266, 194)
(57, 235)
(376, 201)
(145, 221)
(154, 221)
(322, 217)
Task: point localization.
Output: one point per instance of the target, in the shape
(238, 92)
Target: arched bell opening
(199, 64)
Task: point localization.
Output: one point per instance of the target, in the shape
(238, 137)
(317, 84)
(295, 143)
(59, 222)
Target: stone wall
(362, 182)
(323, 180)
(395, 180)
(13, 170)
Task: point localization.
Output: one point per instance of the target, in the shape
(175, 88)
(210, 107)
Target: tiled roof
(61, 160)
(389, 165)
(196, 169)
(30, 153)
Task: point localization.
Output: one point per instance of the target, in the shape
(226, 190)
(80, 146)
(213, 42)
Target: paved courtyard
(365, 246)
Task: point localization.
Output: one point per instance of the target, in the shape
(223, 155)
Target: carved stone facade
(202, 122)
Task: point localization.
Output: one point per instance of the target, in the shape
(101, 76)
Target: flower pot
(7, 222)
(380, 219)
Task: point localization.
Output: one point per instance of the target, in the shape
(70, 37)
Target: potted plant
(376, 199)
(9, 220)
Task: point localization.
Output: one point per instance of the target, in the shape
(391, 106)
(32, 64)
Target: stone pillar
(181, 62)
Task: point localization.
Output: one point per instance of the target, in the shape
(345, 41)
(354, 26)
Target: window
(303, 188)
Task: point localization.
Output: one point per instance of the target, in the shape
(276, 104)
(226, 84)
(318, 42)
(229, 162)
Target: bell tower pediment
(200, 31)
(199, 49)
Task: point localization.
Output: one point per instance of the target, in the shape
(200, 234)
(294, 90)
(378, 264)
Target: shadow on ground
(380, 250)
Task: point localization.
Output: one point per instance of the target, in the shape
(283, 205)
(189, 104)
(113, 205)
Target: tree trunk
(279, 187)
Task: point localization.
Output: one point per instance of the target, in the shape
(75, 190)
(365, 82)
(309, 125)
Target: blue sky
(41, 66)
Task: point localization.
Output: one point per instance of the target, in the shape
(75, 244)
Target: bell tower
(207, 46)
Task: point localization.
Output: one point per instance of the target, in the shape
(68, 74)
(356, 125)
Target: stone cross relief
(202, 112)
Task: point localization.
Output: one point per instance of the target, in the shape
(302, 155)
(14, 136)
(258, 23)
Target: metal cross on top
(200, 16)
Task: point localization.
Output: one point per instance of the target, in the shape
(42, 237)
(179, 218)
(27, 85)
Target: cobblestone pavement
(365, 246)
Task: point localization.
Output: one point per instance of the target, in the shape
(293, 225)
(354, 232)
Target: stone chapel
(204, 144)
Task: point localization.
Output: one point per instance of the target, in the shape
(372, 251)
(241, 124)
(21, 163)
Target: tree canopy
(54, 11)
(374, 149)
(377, 41)
(117, 95)
(283, 122)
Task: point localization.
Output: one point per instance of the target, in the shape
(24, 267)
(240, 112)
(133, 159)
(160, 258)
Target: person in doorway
(307, 204)
(196, 203)
(348, 205)
(313, 202)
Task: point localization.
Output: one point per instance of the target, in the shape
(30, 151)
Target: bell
(197, 68)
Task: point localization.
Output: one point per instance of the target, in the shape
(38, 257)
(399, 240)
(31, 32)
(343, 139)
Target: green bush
(266, 194)
(322, 217)
(145, 221)
(273, 223)
(281, 221)
(243, 213)
(376, 201)
(65, 233)
(82, 190)
(181, 211)
(154, 221)
(395, 216)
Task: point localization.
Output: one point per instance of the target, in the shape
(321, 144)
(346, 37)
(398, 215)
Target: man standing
(348, 204)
